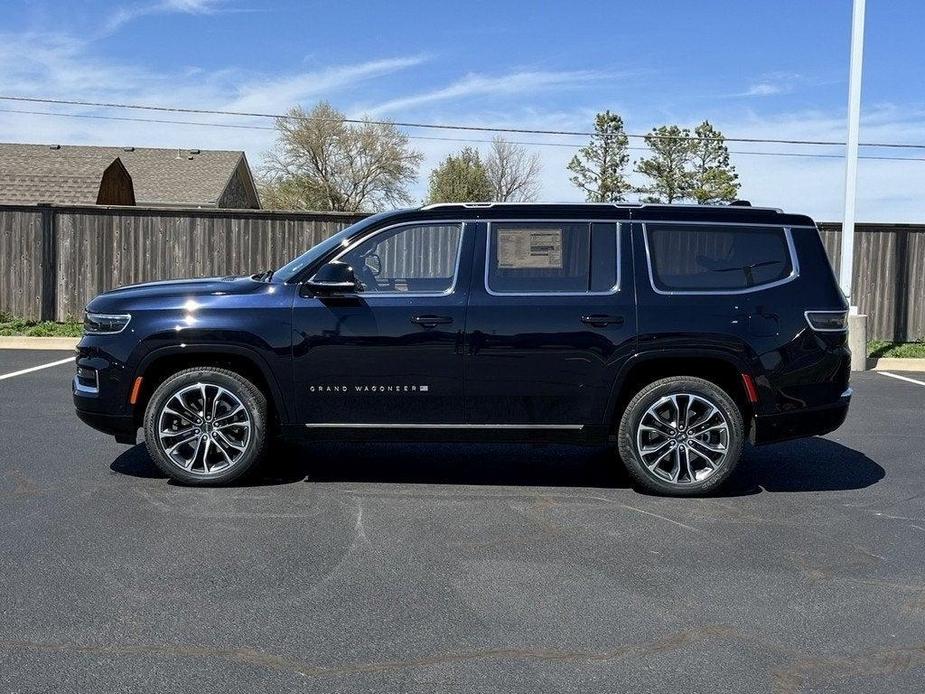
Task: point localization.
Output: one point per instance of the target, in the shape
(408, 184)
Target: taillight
(827, 321)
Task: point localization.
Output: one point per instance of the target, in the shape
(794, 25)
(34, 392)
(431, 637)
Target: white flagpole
(846, 267)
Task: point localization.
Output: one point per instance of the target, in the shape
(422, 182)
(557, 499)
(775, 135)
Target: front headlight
(105, 323)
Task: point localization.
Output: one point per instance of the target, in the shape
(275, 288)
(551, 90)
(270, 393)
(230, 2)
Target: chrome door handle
(602, 321)
(431, 321)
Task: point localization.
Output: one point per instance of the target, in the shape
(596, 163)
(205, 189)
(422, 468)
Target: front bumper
(811, 421)
(123, 428)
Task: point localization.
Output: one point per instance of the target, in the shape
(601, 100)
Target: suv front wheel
(206, 426)
(681, 436)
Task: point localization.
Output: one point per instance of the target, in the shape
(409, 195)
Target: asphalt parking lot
(458, 568)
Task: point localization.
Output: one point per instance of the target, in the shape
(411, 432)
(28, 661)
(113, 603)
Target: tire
(201, 452)
(669, 460)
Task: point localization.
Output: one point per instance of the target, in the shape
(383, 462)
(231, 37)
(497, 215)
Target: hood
(175, 291)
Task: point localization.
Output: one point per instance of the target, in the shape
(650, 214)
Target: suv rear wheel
(681, 436)
(206, 426)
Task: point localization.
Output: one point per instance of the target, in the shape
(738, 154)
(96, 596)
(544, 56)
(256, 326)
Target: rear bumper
(812, 421)
(123, 428)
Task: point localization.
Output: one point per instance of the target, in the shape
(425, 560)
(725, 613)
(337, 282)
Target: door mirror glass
(335, 277)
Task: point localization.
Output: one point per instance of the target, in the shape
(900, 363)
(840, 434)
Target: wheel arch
(160, 363)
(724, 369)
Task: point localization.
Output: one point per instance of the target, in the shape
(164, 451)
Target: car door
(389, 354)
(551, 320)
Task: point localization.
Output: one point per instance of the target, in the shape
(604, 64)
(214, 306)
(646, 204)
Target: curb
(896, 364)
(22, 342)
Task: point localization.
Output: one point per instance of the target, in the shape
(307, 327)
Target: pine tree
(669, 168)
(598, 168)
(714, 179)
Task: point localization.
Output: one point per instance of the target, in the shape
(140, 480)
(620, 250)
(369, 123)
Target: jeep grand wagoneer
(673, 332)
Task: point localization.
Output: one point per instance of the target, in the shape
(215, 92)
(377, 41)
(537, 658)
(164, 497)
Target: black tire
(227, 468)
(687, 484)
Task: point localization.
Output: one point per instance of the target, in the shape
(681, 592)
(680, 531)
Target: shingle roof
(41, 173)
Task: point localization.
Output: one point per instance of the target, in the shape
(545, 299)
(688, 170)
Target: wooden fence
(53, 260)
(889, 276)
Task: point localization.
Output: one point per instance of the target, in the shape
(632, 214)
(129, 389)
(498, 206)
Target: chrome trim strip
(619, 231)
(350, 425)
(794, 264)
(413, 295)
(826, 330)
(80, 388)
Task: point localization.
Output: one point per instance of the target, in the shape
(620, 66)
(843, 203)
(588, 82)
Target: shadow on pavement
(806, 465)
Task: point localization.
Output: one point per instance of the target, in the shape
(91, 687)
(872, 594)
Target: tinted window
(698, 257)
(541, 257)
(413, 259)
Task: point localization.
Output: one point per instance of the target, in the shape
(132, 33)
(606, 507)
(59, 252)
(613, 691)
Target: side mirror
(333, 278)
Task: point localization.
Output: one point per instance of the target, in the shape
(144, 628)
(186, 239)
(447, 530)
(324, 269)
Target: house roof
(60, 174)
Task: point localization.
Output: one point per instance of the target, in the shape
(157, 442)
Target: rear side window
(552, 257)
(701, 257)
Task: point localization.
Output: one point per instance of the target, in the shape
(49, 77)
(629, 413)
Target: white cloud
(277, 95)
(765, 89)
(773, 84)
(473, 85)
(123, 15)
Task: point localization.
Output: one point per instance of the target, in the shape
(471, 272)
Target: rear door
(551, 320)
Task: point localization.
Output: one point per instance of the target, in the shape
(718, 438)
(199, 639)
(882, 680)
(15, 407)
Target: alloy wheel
(204, 428)
(682, 438)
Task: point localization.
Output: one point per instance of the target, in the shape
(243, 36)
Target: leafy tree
(714, 179)
(460, 178)
(320, 162)
(598, 168)
(513, 172)
(669, 167)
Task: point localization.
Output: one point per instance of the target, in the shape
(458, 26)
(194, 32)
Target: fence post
(49, 263)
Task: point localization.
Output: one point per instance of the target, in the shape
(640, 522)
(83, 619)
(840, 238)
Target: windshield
(294, 267)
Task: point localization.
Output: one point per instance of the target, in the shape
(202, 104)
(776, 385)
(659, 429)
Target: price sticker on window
(529, 248)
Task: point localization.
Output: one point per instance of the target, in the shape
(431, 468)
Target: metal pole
(846, 267)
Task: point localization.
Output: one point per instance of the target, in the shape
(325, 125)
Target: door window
(705, 258)
(414, 259)
(552, 258)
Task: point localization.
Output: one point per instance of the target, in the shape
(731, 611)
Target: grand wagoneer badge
(360, 388)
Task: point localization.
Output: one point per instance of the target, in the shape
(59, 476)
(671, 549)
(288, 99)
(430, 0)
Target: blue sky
(754, 68)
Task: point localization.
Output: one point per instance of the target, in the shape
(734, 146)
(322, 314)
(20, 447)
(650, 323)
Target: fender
(733, 359)
(222, 348)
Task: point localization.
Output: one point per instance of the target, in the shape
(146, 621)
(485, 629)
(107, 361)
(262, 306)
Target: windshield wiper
(264, 276)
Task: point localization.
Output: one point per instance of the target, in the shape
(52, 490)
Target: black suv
(674, 332)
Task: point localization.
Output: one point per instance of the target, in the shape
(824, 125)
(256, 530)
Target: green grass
(10, 326)
(905, 350)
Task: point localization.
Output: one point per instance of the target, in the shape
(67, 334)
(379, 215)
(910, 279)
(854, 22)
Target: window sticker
(530, 248)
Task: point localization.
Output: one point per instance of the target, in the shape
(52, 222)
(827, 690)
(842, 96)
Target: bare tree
(320, 162)
(514, 173)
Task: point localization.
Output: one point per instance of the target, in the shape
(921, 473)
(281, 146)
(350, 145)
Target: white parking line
(902, 378)
(42, 366)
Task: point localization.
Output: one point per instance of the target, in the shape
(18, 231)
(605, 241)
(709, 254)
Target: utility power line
(238, 126)
(435, 126)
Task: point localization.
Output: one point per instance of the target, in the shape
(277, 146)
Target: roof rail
(635, 205)
(478, 205)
